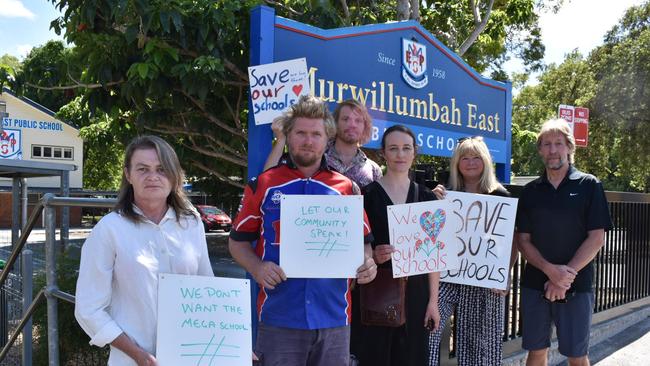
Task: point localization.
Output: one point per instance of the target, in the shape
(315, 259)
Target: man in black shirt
(561, 224)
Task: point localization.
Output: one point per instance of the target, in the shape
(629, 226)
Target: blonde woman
(480, 311)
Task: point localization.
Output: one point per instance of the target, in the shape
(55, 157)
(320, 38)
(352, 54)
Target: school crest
(414, 63)
(10, 144)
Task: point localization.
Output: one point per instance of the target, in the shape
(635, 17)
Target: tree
(612, 83)
(178, 67)
(43, 70)
(622, 99)
(103, 144)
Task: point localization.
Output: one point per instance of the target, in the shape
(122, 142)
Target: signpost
(578, 120)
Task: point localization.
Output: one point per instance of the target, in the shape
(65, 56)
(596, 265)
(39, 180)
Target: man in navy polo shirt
(561, 223)
(303, 322)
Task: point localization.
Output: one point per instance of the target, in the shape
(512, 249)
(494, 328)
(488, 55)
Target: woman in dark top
(479, 310)
(406, 345)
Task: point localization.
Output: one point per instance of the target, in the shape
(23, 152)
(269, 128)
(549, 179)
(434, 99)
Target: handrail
(21, 241)
(49, 201)
(39, 298)
(52, 200)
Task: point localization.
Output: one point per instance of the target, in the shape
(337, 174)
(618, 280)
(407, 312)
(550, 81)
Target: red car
(213, 218)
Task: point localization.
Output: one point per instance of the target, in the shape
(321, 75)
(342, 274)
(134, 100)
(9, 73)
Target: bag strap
(416, 192)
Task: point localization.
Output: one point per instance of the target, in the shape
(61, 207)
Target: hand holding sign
(484, 238)
(421, 236)
(321, 236)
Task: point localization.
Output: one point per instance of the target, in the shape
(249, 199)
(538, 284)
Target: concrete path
(629, 347)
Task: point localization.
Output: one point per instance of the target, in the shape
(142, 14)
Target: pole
(27, 301)
(50, 274)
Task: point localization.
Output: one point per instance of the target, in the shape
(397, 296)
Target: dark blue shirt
(559, 220)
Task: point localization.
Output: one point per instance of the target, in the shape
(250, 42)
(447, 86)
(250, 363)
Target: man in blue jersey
(302, 321)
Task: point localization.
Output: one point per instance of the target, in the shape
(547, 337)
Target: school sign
(402, 73)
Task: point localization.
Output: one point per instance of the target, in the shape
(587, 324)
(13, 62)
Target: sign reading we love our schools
(403, 75)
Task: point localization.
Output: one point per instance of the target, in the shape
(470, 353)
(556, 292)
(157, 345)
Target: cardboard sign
(484, 236)
(321, 236)
(276, 87)
(423, 236)
(203, 321)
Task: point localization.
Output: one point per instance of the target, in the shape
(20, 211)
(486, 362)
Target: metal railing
(50, 292)
(622, 267)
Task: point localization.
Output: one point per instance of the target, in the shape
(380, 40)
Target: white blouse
(117, 288)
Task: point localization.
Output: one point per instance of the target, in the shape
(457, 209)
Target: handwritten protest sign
(276, 87)
(321, 236)
(484, 236)
(421, 235)
(203, 321)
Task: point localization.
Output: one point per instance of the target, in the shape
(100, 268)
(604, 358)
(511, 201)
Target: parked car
(213, 218)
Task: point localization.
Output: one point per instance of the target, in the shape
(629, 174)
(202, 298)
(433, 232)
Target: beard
(303, 159)
(557, 165)
(341, 135)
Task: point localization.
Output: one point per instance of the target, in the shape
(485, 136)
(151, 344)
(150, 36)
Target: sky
(579, 24)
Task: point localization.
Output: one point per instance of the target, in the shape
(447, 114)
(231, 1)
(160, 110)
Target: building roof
(36, 105)
(10, 168)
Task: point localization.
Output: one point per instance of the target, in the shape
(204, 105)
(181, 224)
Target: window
(52, 152)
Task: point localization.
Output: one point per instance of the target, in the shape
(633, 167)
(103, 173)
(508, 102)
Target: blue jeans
(303, 347)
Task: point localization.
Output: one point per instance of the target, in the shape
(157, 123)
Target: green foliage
(177, 67)
(9, 65)
(45, 66)
(103, 146)
(73, 341)
(612, 83)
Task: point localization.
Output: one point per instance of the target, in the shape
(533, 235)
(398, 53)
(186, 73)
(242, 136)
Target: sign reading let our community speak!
(421, 235)
(484, 238)
(275, 87)
(203, 321)
(321, 236)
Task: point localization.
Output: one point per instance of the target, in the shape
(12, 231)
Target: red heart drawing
(297, 89)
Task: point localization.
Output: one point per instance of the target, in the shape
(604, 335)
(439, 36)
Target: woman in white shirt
(153, 229)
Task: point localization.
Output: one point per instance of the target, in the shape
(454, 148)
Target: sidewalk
(629, 347)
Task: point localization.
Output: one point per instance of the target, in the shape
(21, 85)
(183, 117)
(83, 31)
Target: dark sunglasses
(460, 140)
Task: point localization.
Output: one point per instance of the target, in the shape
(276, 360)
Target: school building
(31, 132)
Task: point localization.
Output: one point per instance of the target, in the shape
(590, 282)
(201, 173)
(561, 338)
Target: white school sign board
(275, 87)
(484, 237)
(422, 236)
(203, 321)
(321, 236)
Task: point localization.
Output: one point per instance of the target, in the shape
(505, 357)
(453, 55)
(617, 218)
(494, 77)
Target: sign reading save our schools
(321, 236)
(483, 238)
(203, 321)
(423, 236)
(403, 75)
(276, 87)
